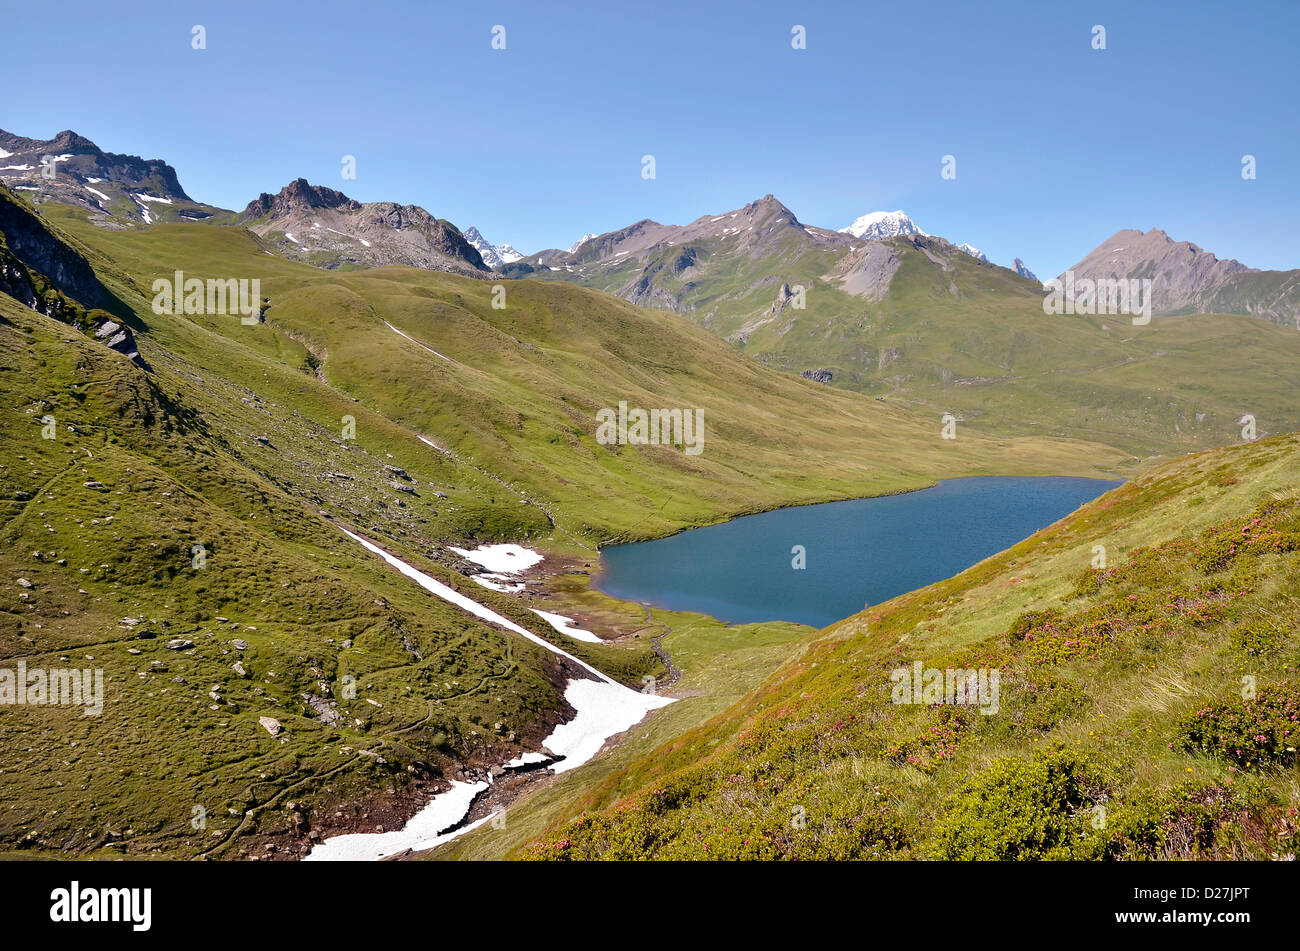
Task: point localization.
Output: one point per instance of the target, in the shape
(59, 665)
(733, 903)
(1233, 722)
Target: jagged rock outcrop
(325, 227)
(42, 272)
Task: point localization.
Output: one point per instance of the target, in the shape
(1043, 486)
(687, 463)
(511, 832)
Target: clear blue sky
(1057, 145)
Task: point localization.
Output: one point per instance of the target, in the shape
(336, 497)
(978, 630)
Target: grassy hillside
(514, 391)
(1148, 708)
(103, 524)
(195, 501)
(956, 334)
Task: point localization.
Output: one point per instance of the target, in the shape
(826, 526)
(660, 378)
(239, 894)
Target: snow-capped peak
(882, 224)
(972, 251)
(494, 255)
(581, 241)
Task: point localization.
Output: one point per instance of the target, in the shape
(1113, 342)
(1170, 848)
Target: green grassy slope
(515, 391)
(957, 334)
(179, 467)
(234, 441)
(1149, 708)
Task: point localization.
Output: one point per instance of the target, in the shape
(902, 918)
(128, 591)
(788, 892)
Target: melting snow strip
(527, 759)
(604, 708)
(424, 831)
(433, 586)
(416, 342)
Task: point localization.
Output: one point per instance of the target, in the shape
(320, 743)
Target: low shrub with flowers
(936, 741)
(1254, 733)
(1273, 527)
(1024, 809)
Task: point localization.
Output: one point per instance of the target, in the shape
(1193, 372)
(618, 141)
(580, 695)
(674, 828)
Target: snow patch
(96, 191)
(501, 559)
(497, 583)
(565, 625)
(526, 759)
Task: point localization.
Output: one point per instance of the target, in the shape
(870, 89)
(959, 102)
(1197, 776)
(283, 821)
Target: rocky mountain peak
(299, 196)
(1020, 268)
(69, 141)
(767, 206)
(1182, 274)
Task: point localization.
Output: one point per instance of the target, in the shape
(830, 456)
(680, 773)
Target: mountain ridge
(116, 188)
(326, 228)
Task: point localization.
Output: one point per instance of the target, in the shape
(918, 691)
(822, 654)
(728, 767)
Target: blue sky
(1057, 145)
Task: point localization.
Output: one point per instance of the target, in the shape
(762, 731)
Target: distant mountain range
(324, 227)
(715, 268)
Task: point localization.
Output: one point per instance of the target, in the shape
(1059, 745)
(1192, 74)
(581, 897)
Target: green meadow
(181, 532)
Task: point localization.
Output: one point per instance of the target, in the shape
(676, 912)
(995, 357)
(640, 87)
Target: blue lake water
(863, 551)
